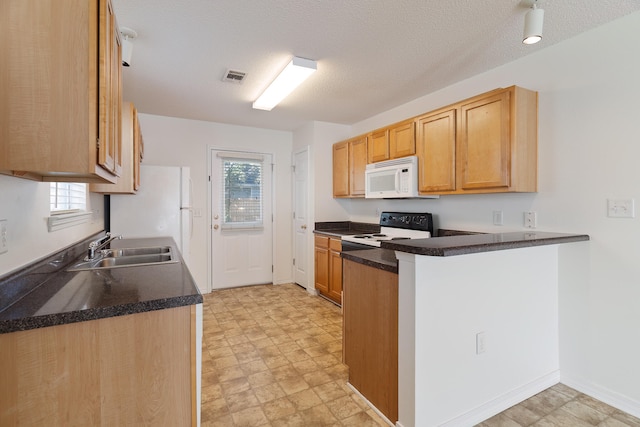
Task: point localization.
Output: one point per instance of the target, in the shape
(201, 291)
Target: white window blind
(242, 195)
(67, 196)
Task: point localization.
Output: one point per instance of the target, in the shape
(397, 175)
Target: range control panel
(408, 220)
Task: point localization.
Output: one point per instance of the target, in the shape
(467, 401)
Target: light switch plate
(4, 244)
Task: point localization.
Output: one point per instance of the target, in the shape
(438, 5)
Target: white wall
(589, 146)
(316, 135)
(179, 142)
(25, 206)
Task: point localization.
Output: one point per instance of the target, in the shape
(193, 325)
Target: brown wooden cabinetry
(378, 149)
(486, 144)
(398, 140)
(328, 267)
(61, 91)
(497, 142)
(137, 369)
(132, 152)
(349, 163)
(370, 339)
(436, 150)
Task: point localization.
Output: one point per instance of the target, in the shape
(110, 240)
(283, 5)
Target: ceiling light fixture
(533, 21)
(127, 44)
(296, 72)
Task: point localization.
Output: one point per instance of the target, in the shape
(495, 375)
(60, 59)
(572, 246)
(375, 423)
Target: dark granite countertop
(383, 259)
(345, 228)
(476, 243)
(46, 294)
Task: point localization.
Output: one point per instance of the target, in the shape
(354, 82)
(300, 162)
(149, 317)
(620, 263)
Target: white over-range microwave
(392, 179)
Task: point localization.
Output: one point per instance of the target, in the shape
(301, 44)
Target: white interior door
(301, 226)
(241, 219)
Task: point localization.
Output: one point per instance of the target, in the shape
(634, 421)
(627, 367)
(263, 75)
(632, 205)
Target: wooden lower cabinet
(370, 339)
(328, 267)
(137, 369)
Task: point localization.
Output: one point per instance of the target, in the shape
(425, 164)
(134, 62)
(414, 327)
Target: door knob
(303, 226)
(215, 217)
(215, 227)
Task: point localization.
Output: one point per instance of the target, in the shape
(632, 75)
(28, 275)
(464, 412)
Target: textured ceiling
(372, 55)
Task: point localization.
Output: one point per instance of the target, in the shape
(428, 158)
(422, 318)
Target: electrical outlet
(480, 343)
(497, 217)
(530, 219)
(4, 244)
(620, 208)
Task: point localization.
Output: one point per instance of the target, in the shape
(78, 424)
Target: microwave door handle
(398, 181)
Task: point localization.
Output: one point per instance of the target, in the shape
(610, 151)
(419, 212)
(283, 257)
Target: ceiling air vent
(234, 76)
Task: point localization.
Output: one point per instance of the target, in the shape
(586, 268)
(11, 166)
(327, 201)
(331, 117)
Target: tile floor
(272, 357)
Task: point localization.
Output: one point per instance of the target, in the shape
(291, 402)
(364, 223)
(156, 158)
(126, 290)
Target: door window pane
(242, 196)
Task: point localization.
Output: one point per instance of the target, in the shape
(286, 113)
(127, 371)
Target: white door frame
(211, 148)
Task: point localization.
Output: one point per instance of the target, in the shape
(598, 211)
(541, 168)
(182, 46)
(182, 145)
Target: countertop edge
(373, 258)
(43, 321)
(428, 247)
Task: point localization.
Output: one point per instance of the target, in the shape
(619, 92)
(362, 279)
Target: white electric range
(393, 226)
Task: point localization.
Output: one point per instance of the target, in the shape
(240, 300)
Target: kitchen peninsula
(477, 321)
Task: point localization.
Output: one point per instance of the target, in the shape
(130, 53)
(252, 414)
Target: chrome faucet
(98, 244)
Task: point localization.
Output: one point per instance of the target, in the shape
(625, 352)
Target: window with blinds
(67, 197)
(242, 195)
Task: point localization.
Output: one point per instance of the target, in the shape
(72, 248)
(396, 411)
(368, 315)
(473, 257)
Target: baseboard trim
(507, 400)
(380, 414)
(612, 398)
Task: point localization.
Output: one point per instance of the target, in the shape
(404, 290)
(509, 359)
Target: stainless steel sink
(128, 257)
(137, 251)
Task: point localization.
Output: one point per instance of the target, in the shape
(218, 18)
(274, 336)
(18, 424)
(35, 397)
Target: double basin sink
(128, 257)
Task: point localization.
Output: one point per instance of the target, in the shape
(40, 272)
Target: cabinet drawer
(335, 245)
(322, 242)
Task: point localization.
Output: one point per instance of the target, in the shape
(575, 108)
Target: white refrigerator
(162, 207)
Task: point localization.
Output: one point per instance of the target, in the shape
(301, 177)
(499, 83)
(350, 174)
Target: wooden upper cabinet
(61, 91)
(341, 169)
(402, 139)
(349, 163)
(435, 147)
(497, 142)
(357, 165)
(484, 151)
(398, 140)
(378, 147)
(129, 181)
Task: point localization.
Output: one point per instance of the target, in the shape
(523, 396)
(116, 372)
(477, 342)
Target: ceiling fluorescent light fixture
(296, 72)
(533, 21)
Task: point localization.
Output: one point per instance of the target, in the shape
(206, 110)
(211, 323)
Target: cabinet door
(357, 165)
(109, 156)
(322, 264)
(402, 140)
(378, 146)
(335, 271)
(484, 143)
(435, 147)
(341, 169)
(137, 151)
